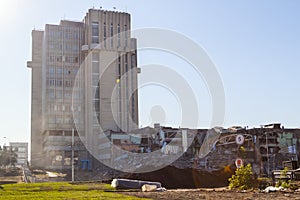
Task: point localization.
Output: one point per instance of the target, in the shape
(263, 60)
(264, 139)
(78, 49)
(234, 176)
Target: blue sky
(255, 46)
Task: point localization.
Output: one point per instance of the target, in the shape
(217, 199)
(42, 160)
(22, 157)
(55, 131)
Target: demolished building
(265, 148)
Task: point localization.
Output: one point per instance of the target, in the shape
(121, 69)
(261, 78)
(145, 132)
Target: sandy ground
(218, 194)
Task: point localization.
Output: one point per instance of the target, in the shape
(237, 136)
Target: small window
(95, 57)
(119, 35)
(104, 31)
(111, 35)
(95, 32)
(95, 68)
(126, 34)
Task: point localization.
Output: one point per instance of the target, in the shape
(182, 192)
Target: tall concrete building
(84, 81)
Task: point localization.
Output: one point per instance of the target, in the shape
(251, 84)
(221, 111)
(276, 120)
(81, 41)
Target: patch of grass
(60, 190)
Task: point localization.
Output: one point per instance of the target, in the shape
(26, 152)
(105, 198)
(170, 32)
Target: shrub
(283, 182)
(243, 178)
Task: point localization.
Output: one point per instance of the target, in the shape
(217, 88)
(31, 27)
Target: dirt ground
(218, 194)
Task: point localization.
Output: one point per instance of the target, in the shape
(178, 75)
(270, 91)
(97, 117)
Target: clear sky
(255, 46)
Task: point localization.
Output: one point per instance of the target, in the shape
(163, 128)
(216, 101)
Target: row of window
(67, 47)
(64, 35)
(95, 33)
(68, 59)
(63, 107)
(19, 149)
(60, 83)
(59, 94)
(52, 71)
(60, 120)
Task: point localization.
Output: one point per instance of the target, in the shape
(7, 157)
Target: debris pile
(145, 186)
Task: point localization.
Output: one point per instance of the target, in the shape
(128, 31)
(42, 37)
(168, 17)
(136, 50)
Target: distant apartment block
(21, 150)
(75, 68)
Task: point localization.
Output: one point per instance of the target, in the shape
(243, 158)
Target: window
(67, 71)
(76, 35)
(97, 92)
(51, 94)
(59, 94)
(95, 68)
(104, 31)
(51, 58)
(68, 47)
(67, 35)
(59, 58)
(75, 48)
(51, 82)
(111, 35)
(95, 29)
(51, 120)
(95, 40)
(59, 120)
(95, 57)
(96, 105)
(51, 46)
(95, 32)
(51, 72)
(126, 64)
(132, 60)
(67, 94)
(126, 34)
(119, 36)
(95, 80)
(59, 70)
(22, 155)
(22, 149)
(68, 83)
(119, 67)
(132, 107)
(67, 120)
(59, 83)
(75, 71)
(50, 107)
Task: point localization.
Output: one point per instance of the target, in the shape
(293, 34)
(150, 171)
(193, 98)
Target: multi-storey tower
(87, 67)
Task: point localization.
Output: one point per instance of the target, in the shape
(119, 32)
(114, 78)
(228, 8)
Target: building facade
(21, 150)
(84, 81)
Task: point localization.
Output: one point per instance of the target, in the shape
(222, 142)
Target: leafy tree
(243, 178)
(7, 158)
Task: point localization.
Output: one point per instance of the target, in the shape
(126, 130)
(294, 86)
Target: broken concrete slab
(149, 188)
(132, 184)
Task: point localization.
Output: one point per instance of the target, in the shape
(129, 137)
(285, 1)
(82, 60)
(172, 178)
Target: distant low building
(21, 150)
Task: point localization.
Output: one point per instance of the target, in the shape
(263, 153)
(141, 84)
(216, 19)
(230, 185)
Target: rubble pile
(172, 177)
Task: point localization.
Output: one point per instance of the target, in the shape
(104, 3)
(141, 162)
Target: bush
(283, 182)
(243, 178)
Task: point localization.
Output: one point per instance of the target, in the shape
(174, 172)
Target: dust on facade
(90, 68)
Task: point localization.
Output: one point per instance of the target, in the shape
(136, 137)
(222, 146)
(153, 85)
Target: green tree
(243, 178)
(7, 158)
